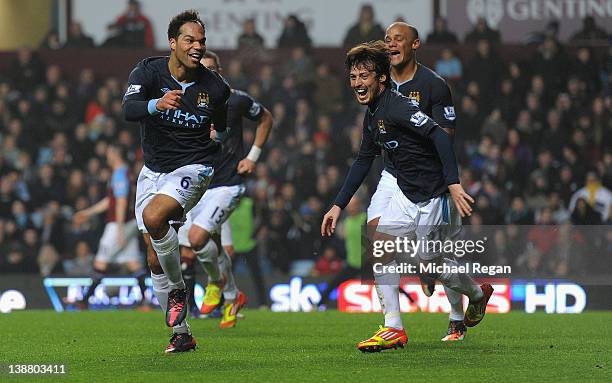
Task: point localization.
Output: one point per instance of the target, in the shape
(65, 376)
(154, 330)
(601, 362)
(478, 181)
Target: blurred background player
(177, 102)
(199, 236)
(432, 95)
(119, 242)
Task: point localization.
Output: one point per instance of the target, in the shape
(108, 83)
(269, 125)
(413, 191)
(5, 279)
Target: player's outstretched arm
(408, 116)
(247, 165)
(444, 147)
(82, 216)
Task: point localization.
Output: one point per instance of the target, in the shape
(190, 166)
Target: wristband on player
(254, 153)
(152, 106)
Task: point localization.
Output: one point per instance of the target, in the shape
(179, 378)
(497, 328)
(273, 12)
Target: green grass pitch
(126, 346)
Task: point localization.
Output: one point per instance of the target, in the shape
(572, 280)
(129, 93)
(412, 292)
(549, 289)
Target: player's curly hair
(188, 16)
(373, 55)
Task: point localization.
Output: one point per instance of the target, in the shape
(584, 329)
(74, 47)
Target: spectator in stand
(51, 41)
(552, 64)
(485, 69)
(76, 38)
(328, 90)
(519, 214)
(590, 32)
(365, 29)
(597, 196)
(482, 31)
(328, 263)
(26, 71)
(301, 68)
(551, 31)
(449, 66)
(131, 29)
(82, 263)
(294, 34)
(250, 43)
(441, 34)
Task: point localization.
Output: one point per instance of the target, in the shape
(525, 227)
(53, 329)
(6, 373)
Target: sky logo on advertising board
(294, 296)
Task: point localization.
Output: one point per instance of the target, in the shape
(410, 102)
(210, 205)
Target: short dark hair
(188, 16)
(373, 53)
(119, 149)
(212, 55)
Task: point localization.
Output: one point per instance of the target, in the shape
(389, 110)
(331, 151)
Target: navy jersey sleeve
(407, 116)
(368, 150)
(442, 107)
(137, 97)
(220, 115)
(245, 106)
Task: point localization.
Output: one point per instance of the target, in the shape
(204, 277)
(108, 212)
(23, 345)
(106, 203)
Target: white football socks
(387, 287)
(230, 290)
(167, 250)
(456, 304)
(208, 258)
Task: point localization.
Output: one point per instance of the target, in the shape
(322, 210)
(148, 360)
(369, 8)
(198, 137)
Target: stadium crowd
(533, 139)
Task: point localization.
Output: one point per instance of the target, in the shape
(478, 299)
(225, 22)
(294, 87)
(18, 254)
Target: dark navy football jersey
(431, 94)
(176, 138)
(395, 124)
(241, 105)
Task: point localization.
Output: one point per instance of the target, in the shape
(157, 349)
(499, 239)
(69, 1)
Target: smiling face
(402, 43)
(366, 83)
(190, 45)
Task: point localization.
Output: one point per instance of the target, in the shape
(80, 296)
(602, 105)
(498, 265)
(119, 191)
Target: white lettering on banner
(11, 300)
(522, 10)
(294, 297)
(327, 21)
(569, 289)
(353, 296)
(533, 299)
(516, 20)
(554, 298)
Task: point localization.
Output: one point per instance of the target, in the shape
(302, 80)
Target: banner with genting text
(518, 20)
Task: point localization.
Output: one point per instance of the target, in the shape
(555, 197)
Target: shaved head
(404, 27)
(403, 42)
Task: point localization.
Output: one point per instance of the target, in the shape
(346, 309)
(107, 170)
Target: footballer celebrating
(177, 102)
(431, 94)
(422, 155)
(199, 235)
